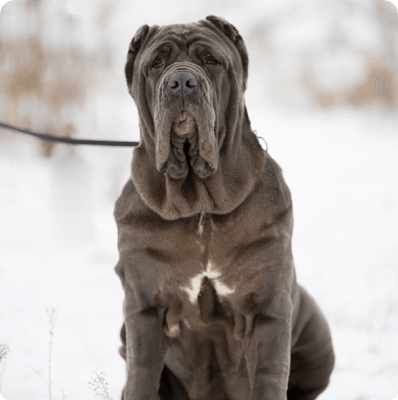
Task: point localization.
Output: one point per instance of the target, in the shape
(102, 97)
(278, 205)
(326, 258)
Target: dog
(212, 308)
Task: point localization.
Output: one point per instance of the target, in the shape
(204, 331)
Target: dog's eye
(212, 61)
(156, 64)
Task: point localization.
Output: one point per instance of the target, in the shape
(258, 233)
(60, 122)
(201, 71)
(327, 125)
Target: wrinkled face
(183, 73)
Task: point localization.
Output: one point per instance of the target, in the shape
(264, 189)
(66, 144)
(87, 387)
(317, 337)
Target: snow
(58, 240)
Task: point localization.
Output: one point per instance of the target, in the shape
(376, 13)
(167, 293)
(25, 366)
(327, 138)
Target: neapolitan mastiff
(212, 307)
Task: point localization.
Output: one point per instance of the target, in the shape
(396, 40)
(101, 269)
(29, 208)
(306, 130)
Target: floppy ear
(229, 30)
(134, 48)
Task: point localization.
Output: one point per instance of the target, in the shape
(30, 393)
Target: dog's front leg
(268, 358)
(145, 351)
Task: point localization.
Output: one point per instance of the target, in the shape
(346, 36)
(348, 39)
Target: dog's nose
(182, 83)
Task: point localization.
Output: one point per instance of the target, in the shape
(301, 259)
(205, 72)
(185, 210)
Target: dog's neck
(240, 163)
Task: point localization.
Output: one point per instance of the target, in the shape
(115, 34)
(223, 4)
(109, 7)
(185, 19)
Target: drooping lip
(184, 138)
(184, 150)
(183, 146)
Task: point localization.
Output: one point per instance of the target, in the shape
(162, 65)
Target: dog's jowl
(212, 307)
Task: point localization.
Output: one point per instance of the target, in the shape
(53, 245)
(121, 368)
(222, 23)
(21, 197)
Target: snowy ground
(58, 249)
(58, 239)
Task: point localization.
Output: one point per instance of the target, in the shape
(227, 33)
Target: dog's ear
(229, 30)
(134, 48)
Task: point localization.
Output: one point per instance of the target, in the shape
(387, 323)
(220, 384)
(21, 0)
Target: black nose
(182, 83)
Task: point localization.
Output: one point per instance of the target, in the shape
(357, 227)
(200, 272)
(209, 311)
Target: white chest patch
(211, 273)
(200, 224)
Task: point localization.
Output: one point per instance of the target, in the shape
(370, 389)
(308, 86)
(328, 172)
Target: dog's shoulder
(127, 201)
(130, 208)
(271, 196)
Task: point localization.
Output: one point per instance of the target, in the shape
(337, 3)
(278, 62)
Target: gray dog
(212, 307)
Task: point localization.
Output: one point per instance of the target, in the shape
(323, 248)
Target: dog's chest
(202, 286)
(212, 274)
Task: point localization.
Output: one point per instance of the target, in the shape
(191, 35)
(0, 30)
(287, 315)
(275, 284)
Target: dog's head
(197, 152)
(188, 83)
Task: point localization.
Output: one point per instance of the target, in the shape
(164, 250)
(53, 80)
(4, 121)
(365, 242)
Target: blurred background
(323, 93)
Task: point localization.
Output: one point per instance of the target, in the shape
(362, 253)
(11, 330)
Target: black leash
(67, 140)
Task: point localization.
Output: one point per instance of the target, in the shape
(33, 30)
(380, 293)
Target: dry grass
(52, 316)
(39, 85)
(99, 385)
(4, 351)
(44, 87)
(380, 87)
(338, 69)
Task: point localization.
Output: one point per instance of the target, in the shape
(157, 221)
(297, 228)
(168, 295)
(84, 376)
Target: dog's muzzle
(185, 121)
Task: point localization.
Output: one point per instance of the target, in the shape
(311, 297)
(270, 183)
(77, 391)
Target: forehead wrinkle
(186, 37)
(183, 35)
(211, 47)
(177, 33)
(177, 39)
